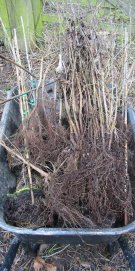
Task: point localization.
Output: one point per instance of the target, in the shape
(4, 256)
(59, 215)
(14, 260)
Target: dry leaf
(109, 268)
(38, 263)
(85, 264)
(50, 267)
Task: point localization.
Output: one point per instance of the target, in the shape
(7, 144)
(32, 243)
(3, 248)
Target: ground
(78, 258)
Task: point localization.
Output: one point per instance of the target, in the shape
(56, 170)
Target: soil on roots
(88, 184)
(92, 188)
(20, 212)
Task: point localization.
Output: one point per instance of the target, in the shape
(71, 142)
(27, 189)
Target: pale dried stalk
(26, 47)
(20, 77)
(98, 101)
(61, 110)
(26, 50)
(24, 108)
(80, 103)
(101, 114)
(7, 36)
(96, 96)
(16, 64)
(11, 47)
(104, 98)
(27, 163)
(114, 118)
(125, 112)
(67, 107)
(111, 107)
(73, 95)
(40, 80)
(18, 74)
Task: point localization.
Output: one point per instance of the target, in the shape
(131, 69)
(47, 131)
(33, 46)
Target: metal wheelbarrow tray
(9, 123)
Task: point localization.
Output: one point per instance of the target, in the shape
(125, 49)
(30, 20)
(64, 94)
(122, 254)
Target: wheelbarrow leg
(30, 248)
(10, 256)
(130, 257)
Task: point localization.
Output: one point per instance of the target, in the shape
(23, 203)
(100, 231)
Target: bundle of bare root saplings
(72, 149)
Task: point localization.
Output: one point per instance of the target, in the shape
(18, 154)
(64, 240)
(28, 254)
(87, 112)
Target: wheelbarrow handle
(10, 256)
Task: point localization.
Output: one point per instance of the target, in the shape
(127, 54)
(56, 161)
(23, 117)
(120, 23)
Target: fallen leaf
(38, 263)
(109, 268)
(50, 267)
(85, 264)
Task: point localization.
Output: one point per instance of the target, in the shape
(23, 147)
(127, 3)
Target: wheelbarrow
(32, 238)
